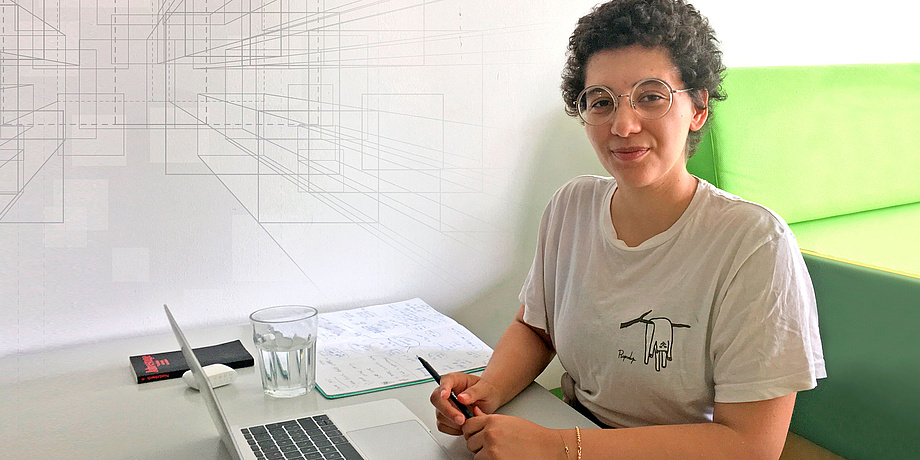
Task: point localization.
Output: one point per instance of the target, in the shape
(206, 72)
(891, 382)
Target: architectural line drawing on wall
(311, 113)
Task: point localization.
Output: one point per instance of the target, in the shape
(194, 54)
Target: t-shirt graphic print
(659, 339)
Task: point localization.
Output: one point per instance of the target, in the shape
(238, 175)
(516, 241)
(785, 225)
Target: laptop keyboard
(308, 438)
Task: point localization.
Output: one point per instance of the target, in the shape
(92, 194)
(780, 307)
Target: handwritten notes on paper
(374, 348)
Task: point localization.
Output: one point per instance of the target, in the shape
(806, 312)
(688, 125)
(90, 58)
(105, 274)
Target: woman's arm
(521, 354)
(750, 430)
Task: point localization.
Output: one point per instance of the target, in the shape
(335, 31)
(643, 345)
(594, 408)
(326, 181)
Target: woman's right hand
(471, 390)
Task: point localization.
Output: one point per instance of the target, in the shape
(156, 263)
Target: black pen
(453, 397)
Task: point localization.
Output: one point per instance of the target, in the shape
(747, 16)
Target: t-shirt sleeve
(765, 341)
(533, 293)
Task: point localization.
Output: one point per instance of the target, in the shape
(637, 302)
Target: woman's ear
(700, 110)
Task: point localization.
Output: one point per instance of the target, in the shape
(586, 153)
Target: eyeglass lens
(651, 99)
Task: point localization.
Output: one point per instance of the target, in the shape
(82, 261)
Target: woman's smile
(629, 153)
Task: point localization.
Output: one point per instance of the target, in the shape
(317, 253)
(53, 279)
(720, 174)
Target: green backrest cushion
(816, 141)
(702, 163)
(868, 406)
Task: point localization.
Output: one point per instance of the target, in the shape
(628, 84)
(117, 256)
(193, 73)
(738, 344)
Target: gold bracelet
(566, 446)
(578, 439)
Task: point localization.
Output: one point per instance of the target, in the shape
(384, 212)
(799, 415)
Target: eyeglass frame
(616, 99)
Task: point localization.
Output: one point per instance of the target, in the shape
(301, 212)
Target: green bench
(835, 151)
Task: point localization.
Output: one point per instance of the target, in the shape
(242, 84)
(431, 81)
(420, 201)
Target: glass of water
(286, 338)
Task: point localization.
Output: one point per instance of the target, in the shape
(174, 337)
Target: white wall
(334, 153)
(790, 32)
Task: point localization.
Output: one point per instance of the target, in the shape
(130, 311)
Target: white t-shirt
(718, 308)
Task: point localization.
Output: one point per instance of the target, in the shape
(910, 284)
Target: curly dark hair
(672, 25)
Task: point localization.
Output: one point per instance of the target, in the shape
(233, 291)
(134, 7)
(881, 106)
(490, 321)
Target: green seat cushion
(883, 238)
(816, 141)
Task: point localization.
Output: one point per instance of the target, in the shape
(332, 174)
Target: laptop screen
(210, 399)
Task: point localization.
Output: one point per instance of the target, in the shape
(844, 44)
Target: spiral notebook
(374, 348)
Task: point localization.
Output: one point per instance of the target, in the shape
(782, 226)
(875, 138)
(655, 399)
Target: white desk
(82, 402)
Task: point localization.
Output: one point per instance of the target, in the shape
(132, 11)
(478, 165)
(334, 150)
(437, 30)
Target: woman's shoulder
(585, 185)
(729, 211)
(579, 197)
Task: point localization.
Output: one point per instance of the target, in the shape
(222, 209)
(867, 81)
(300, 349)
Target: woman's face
(638, 152)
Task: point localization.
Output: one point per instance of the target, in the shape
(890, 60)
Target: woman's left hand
(496, 437)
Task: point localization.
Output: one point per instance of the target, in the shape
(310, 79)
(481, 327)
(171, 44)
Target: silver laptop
(364, 431)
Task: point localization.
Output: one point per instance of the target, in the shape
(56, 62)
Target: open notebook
(375, 348)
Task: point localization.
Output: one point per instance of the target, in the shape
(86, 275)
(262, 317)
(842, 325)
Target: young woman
(682, 315)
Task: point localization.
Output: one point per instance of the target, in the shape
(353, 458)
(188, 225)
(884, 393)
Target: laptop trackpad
(407, 440)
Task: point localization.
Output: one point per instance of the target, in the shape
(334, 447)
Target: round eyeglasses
(650, 98)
